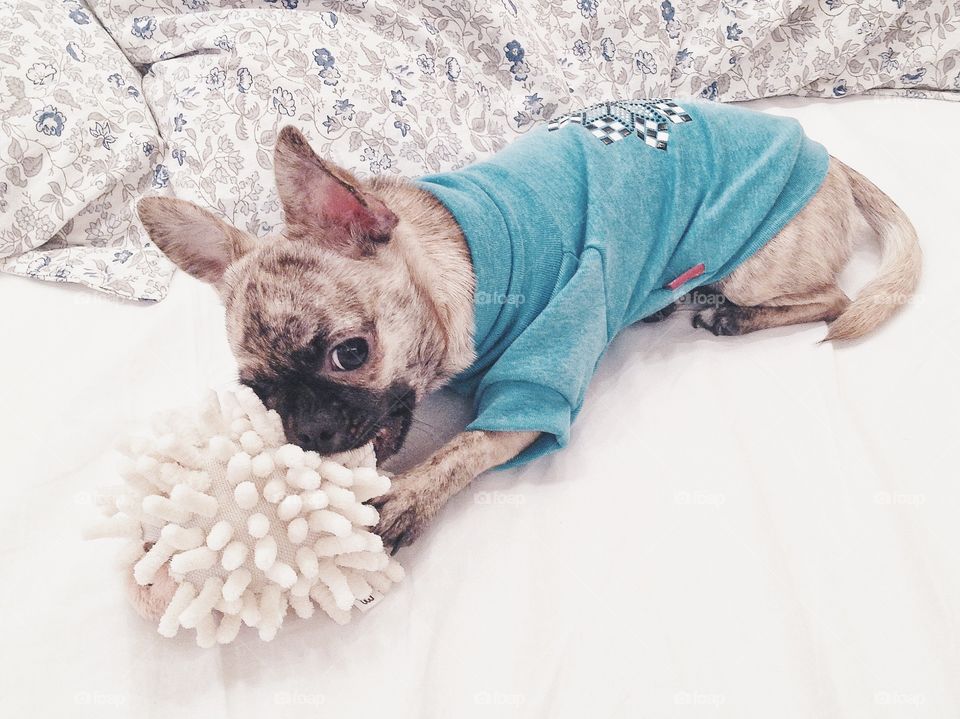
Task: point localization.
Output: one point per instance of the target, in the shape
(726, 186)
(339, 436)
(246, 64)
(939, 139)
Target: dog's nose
(321, 434)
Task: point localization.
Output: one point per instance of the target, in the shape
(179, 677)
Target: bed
(741, 527)
(788, 549)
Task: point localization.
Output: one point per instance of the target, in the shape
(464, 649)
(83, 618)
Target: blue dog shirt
(599, 219)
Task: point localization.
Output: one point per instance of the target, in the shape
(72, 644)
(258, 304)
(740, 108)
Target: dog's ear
(198, 242)
(323, 202)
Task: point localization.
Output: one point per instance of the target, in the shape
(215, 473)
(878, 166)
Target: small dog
(370, 298)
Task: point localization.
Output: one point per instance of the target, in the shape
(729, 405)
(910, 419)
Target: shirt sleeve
(539, 381)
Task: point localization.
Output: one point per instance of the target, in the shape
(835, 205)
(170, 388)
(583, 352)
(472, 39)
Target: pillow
(77, 145)
(377, 87)
(394, 86)
(404, 87)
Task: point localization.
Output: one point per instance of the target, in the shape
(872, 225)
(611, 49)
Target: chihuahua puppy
(370, 298)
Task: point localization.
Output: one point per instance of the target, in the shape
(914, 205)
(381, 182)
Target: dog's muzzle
(330, 418)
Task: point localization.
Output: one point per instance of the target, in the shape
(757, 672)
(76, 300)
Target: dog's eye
(349, 355)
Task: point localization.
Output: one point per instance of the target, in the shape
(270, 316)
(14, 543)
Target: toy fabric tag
(371, 600)
(690, 274)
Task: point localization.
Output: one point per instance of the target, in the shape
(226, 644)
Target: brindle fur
(337, 272)
(417, 496)
(793, 278)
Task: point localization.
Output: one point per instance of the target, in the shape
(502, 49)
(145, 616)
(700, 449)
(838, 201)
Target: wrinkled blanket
(388, 86)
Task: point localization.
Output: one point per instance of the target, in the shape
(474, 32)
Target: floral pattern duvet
(106, 100)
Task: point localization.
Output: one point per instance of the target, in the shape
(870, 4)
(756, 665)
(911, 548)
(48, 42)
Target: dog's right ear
(198, 242)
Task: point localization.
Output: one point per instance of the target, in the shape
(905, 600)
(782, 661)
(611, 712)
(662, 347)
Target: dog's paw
(404, 512)
(151, 601)
(721, 321)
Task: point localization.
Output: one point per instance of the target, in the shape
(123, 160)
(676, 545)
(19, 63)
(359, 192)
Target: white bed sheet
(741, 527)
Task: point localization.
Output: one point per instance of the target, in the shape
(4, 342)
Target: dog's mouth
(383, 420)
(389, 438)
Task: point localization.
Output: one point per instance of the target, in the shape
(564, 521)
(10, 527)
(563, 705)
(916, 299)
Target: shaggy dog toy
(228, 524)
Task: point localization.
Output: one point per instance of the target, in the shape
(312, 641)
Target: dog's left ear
(323, 202)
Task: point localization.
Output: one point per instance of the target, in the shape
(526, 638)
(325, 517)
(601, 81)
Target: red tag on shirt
(693, 272)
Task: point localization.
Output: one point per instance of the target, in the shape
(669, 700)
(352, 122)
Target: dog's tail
(899, 264)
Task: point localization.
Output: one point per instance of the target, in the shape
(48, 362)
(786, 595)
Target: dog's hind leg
(704, 296)
(661, 314)
(793, 278)
(730, 319)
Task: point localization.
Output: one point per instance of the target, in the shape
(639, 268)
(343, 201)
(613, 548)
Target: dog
(368, 299)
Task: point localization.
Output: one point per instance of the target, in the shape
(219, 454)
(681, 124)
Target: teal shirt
(574, 236)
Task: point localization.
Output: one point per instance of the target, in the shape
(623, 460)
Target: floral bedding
(77, 146)
(106, 100)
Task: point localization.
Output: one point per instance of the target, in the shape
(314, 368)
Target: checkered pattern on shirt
(613, 121)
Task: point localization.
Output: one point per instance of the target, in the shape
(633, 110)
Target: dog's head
(326, 323)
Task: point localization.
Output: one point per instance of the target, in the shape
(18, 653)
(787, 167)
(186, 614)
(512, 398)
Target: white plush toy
(230, 525)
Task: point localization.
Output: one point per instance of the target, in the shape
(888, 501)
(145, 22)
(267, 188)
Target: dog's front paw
(404, 512)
